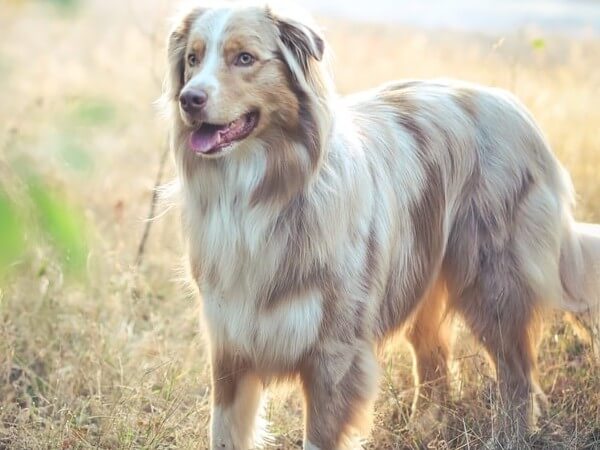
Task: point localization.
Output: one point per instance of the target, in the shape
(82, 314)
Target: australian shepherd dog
(318, 226)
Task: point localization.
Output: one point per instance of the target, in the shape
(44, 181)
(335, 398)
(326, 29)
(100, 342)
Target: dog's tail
(580, 277)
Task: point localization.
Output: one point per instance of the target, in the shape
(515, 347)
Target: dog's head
(238, 73)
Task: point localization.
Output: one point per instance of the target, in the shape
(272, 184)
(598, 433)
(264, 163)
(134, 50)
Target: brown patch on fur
(338, 389)
(467, 101)
(196, 270)
(308, 131)
(284, 176)
(372, 268)
(199, 47)
(295, 275)
(303, 42)
(286, 171)
(227, 371)
(301, 280)
(203, 273)
(427, 217)
(408, 121)
(343, 318)
(232, 47)
(371, 260)
(398, 97)
(211, 276)
(400, 85)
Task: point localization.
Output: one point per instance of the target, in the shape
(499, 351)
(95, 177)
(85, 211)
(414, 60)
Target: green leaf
(63, 224)
(12, 241)
(538, 44)
(75, 155)
(88, 112)
(65, 6)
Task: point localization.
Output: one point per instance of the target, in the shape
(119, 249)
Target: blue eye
(244, 59)
(192, 60)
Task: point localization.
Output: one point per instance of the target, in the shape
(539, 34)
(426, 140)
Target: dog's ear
(299, 38)
(176, 47)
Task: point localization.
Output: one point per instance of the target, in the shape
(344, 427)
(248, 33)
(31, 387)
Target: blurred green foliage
(62, 224)
(51, 219)
(66, 6)
(74, 154)
(62, 6)
(43, 214)
(82, 118)
(90, 111)
(538, 44)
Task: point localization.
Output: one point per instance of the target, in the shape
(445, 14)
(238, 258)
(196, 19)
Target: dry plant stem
(152, 210)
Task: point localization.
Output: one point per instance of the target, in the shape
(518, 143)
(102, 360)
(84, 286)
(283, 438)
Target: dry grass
(116, 360)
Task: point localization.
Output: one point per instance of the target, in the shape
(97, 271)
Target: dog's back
(485, 181)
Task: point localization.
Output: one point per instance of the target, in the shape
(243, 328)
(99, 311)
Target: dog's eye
(191, 59)
(244, 59)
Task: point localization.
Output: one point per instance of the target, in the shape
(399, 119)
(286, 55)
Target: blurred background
(99, 339)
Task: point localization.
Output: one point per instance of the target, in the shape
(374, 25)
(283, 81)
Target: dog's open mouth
(211, 138)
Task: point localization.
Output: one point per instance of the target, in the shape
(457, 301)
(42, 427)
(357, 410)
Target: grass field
(98, 353)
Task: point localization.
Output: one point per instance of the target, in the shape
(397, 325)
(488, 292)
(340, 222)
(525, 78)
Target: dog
(319, 226)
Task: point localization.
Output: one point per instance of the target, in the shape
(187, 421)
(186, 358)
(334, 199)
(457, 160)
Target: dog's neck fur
(258, 254)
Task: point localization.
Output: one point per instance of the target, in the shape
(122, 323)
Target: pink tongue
(209, 137)
(204, 140)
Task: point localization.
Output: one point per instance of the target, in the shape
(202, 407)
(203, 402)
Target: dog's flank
(334, 223)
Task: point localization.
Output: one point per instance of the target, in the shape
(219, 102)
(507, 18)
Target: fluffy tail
(580, 276)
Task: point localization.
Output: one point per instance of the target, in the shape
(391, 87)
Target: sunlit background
(100, 345)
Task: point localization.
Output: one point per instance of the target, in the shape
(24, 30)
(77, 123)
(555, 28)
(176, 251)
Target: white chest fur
(235, 242)
(274, 338)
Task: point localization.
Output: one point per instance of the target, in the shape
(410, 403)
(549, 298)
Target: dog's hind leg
(340, 384)
(430, 336)
(502, 314)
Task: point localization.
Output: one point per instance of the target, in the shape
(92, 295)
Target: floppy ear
(175, 60)
(176, 53)
(300, 39)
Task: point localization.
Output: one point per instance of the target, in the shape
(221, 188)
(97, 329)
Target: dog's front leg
(339, 386)
(236, 394)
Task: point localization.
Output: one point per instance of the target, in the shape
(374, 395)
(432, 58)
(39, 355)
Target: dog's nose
(193, 100)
